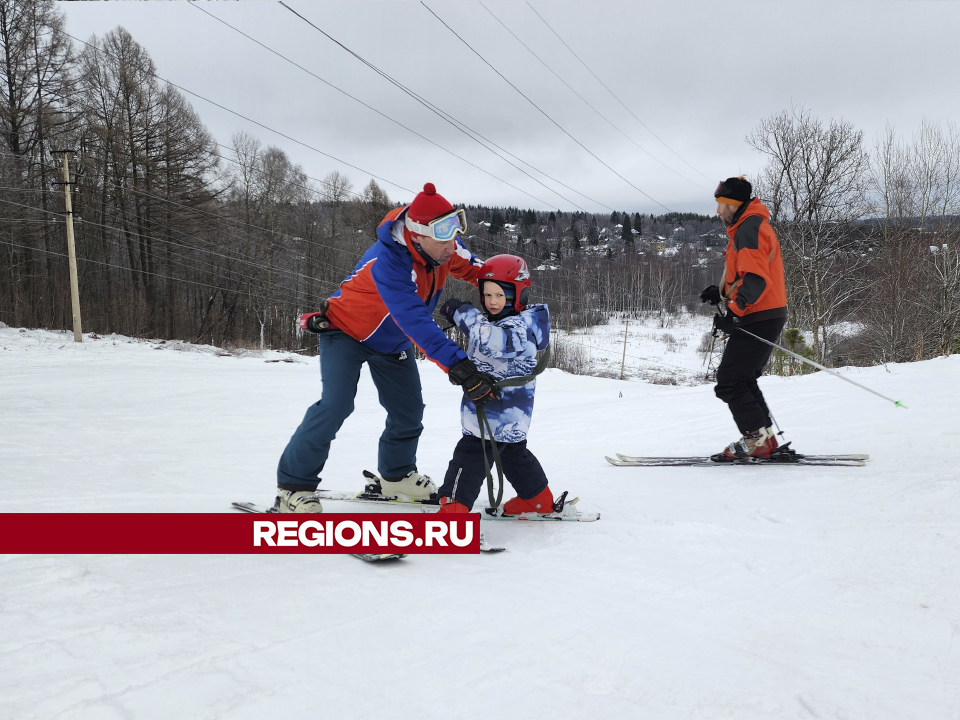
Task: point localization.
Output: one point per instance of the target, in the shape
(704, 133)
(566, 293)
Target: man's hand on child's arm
(450, 307)
(478, 386)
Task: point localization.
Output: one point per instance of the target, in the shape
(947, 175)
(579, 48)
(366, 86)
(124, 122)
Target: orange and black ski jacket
(753, 283)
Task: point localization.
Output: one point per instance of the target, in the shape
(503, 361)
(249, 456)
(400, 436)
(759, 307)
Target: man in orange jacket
(754, 294)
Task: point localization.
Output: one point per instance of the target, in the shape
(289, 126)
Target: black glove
(478, 386)
(711, 295)
(450, 307)
(316, 321)
(725, 323)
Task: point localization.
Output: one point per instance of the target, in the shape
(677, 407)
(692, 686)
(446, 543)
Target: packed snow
(656, 348)
(727, 592)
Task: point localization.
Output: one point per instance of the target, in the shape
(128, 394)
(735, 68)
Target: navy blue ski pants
(466, 472)
(398, 384)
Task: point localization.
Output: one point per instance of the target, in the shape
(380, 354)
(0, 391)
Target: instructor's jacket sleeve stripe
(409, 312)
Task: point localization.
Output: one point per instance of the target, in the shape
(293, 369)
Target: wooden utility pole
(71, 249)
(623, 360)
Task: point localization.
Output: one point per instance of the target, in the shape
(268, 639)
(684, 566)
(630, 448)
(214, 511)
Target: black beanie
(737, 189)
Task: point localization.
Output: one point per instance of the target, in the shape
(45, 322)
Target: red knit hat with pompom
(428, 205)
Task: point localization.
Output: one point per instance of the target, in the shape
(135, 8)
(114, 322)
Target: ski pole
(821, 367)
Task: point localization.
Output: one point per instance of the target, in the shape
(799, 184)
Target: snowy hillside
(707, 593)
(651, 349)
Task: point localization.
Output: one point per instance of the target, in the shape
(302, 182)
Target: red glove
(315, 322)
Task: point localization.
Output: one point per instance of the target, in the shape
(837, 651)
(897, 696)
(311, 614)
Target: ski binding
(563, 510)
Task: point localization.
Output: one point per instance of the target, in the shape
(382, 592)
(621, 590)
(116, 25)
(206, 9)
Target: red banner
(246, 533)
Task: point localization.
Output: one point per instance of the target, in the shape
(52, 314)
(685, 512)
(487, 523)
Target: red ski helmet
(511, 271)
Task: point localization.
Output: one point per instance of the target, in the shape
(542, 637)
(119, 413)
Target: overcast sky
(700, 76)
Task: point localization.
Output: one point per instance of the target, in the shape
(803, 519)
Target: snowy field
(650, 349)
(707, 593)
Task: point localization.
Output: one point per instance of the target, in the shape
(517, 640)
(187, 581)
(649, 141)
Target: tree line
(181, 237)
(870, 235)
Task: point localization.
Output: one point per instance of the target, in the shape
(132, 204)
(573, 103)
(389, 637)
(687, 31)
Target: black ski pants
(466, 472)
(742, 364)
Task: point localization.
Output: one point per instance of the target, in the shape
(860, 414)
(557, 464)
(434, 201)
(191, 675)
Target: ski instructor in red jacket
(754, 294)
(386, 304)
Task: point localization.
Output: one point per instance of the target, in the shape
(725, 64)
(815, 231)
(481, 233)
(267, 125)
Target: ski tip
(378, 558)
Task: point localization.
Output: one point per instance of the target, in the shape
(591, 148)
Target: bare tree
(814, 183)
(36, 66)
(916, 195)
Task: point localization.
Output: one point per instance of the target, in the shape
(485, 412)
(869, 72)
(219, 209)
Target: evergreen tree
(593, 235)
(627, 232)
(614, 217)
(496, 223)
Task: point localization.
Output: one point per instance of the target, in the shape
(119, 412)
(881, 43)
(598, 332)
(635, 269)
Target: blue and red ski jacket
(390, 297)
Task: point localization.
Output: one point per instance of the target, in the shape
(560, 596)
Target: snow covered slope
(732, 592)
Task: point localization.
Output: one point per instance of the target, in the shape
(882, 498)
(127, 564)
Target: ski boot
(449, 505)
(297, 501)
(413, 485)
(541, 503)
(759, 444)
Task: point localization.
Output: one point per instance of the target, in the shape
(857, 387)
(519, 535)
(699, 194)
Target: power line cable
(199, 211)
(370, 107)
(614, 94)
(458, 124)
(542, 112)
(179, 261)
(252, 168)
(587, 102)
(166, 277)
(250, 278)
(498, 245)
(275, 300)
(273, 245)
(255, 122)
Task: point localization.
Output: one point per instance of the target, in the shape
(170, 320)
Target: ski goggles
(443, 228)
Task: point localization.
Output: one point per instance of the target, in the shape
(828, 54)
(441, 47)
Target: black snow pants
(466, 472)
(742, 363)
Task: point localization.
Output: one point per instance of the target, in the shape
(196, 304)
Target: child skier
(504, 340)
